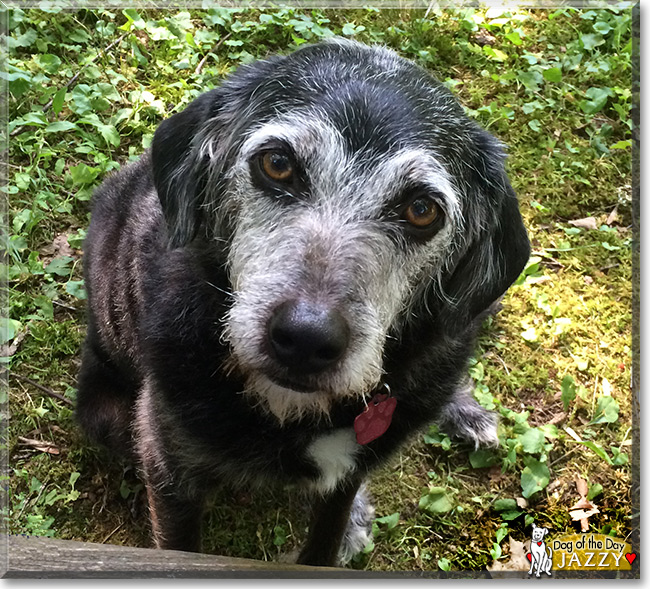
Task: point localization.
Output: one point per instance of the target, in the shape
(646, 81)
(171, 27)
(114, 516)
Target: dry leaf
(584, 503)
(553, 485)
(612, 216)
(582, 487)
(517, 562)
(586, 223)
(557, 418)
(573, 434)
(521, 502)
(482, 37)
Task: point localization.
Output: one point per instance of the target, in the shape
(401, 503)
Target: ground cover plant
(86, 90)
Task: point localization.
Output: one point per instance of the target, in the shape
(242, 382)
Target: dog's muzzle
(306, 338)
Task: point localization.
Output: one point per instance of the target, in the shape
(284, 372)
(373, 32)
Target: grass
(86, 91)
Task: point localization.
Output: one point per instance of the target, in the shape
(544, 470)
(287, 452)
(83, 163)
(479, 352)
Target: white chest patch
(334, 455)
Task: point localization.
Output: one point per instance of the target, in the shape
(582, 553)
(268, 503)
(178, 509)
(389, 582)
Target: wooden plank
(34, 557)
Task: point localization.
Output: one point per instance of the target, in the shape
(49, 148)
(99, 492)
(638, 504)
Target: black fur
(158, 286)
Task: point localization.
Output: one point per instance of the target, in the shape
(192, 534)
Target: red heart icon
(539, 544)
(631, 557)
(529, 556)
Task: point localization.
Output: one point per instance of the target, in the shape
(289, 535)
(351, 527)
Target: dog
(289, 284)
(540, 559)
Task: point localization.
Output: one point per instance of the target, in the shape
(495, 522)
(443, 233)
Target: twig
(60, 304)
(112, 533)
(40, 387)
(199, 67)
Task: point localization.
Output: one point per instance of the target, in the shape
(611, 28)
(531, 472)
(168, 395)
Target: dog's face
(352, 195)
(538, 533)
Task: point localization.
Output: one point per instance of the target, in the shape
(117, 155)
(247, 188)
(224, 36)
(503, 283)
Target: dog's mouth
(293, 385)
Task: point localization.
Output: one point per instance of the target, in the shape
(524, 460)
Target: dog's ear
(500, 247)
(180, 166)
(177, 174)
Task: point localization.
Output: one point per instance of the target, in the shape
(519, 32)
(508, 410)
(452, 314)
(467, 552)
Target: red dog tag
(375, 419)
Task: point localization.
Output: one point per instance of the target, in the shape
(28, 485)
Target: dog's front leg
(175, 517)
(328, 525)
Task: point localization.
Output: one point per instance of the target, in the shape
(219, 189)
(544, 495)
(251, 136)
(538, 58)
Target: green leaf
(435, 501)
(26, 39)
(590, 41)
(597, 100)
(595, 490)
(535, 125)
(531, 79)
(606, 411)
(60, 126)
(602, 27)
(505, 505)
(76, 289)
(624, 144)
(444, 564)
(598, 451)
(534, 477)
(553, 74)
(83, 174)
(58, 100)
(8, 329)
(50, 63)
(59, 266)
(482, 458)
(514, 38)
(390, 521)
(568, 391)
(510, 515)
(532, 441)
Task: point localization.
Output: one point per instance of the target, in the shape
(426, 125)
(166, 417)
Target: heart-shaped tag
(539, 544)
(375, 419)
(630, 557)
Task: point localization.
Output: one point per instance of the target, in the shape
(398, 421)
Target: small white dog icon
(539, 558)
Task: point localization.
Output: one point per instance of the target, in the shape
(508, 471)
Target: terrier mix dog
(290, 283)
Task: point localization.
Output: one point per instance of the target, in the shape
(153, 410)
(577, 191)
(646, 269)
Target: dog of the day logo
(577, 552)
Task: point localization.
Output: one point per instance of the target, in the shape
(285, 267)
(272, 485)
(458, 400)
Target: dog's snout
(307, 337)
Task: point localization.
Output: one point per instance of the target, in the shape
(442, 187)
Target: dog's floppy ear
(176, 171)
(497, 254)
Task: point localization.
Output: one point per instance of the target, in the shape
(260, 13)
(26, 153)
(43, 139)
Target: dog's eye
(422, 212)
(277, 166)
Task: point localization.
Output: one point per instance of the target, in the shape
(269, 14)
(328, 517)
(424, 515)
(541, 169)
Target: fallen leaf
(612, 216)
(583, 517)
(521, 502)
(573, 434)
(582, 486)
(557, 418)
(586, 223)
(553, 485)
(482, 37)
(517, 562)
(584, 503)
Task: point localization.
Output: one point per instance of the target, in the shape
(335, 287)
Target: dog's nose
(307, 337)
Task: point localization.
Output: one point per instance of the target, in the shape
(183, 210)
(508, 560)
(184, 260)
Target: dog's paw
(359, 530)
(463, 418)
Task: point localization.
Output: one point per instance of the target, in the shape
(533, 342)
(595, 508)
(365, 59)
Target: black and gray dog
(289, 284)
